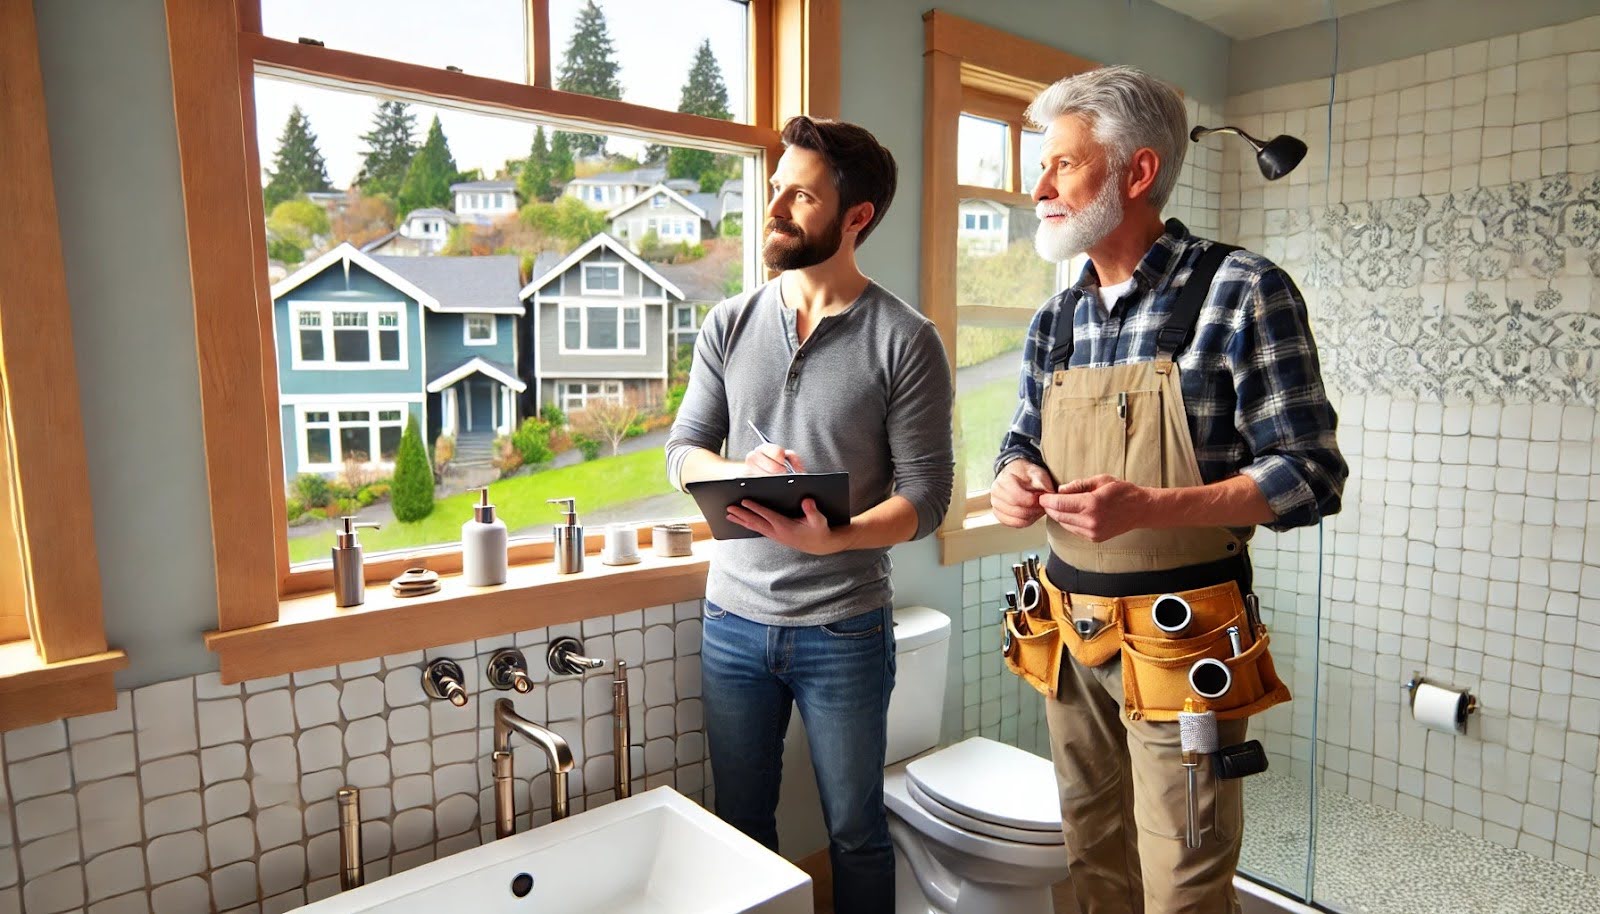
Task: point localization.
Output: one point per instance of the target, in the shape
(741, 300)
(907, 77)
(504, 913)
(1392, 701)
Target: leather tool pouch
(1032, 647)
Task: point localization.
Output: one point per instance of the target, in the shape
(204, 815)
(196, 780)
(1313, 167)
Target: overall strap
(1175, 335)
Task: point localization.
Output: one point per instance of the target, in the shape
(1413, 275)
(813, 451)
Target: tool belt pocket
(1031, 645)
(1159, 673)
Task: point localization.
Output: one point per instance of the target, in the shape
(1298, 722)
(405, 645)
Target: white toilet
(976, 826)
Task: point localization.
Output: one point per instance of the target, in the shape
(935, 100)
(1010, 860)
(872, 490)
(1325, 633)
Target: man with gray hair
(1171, 400)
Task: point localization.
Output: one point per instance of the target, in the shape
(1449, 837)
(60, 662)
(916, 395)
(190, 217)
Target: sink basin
(654, 853)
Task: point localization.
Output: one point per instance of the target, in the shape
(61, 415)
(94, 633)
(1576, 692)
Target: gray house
(673, 216)
(599, 326)
(610, 189)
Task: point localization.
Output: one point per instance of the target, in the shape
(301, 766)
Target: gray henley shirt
(869, 394)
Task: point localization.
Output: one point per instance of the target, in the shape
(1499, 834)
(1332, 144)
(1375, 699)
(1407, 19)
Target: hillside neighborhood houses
(368, 337)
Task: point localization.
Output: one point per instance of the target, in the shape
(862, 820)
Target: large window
(334, 436)
(577, 395)
(520, 96)
(355, 337)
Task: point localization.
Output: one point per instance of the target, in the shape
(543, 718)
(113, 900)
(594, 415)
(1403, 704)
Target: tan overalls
(1122, 784)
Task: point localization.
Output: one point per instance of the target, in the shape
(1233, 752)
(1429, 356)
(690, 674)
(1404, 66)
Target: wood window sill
(34, 692)
(981, 535)
(311, 632)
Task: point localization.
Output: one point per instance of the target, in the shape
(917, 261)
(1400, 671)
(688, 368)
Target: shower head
(1276, 157)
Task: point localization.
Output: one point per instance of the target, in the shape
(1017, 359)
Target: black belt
(1141, 583)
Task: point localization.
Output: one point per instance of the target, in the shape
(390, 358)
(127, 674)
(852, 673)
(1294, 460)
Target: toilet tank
(922, 661)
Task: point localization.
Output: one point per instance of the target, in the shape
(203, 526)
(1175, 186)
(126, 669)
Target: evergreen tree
(432, 172)
(705, 94)
(389, 150)
(298, 166)
(562, 169)
(534, 181)
(590, 68)
(411, 491)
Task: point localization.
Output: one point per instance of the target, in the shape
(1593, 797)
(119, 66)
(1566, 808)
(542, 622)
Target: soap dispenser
(568, 537)
(349, 581)
(483, 545)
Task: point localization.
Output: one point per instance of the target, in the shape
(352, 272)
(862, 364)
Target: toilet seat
(979, 826)
(990, 788)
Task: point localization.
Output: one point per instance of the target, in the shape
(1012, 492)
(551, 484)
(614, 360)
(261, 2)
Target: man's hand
(767, 460)
(1014, 497)
(1099, 508)
(810, 534)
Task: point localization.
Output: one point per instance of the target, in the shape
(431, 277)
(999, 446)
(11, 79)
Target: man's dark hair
(863, 170)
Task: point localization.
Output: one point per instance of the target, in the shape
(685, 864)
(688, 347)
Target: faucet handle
(565, 660)
(442, 680)
(508, 670)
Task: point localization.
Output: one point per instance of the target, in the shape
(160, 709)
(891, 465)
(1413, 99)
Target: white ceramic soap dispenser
(483, 546)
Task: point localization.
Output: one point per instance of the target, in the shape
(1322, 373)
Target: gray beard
(1082, 230)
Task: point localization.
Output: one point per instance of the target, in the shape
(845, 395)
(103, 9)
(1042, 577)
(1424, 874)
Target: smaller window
(480, 330)
(311, 337)
(659, 201)
(631, 319)
(572, 327)
(602, 279)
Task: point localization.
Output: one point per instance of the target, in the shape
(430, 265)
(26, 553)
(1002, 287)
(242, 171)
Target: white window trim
(566, 391)
(333, 408)
(617, 292)
(328, 363)
(583, 309)
(466, 329)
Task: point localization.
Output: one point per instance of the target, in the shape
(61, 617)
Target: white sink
(654, 853)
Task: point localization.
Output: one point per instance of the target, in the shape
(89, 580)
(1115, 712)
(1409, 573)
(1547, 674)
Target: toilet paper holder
(1410, 685)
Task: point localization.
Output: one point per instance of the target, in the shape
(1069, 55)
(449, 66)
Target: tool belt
(1159, 667)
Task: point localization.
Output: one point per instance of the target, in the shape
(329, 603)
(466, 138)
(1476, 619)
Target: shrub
(294, 508)
(507, 458)
(378, 490)
(413, 477)
(285, 252)
(560, 441)
(589, 447)
(365, 498)
(554, 415)
(358, 471)
(532, 441)
(634, 430)
(444, 451)
(312, 490)
(675, 397)
(347, 506)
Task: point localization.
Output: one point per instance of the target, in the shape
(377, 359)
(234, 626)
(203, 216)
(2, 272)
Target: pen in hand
(764, 440)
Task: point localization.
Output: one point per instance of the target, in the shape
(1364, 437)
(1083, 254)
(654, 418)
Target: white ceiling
(1241, 19)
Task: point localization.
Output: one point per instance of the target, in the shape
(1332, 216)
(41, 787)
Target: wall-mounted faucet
(565, 658)
(508, 671)
(556, 751)
(444, 681)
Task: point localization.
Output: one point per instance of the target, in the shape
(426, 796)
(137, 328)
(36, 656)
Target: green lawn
(985, 414)
(519, 501)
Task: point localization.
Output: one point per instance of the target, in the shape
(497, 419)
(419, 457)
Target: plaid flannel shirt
(1252, 388)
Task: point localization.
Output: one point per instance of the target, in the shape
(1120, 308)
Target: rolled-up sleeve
(918, 426)
(702, 420)
(1281, 408)
(1021, 440)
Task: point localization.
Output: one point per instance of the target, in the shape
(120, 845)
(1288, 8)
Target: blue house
(363, 341)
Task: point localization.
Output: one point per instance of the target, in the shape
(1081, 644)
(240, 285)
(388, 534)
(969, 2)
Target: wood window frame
(58, 665)
(268, 612)
(972, 68)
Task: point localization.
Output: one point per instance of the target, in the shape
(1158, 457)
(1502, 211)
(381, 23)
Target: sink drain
(521, 885)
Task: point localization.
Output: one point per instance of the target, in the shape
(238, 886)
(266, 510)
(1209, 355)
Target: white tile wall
(194, 796)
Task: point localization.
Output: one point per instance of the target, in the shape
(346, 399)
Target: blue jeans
(840, 676)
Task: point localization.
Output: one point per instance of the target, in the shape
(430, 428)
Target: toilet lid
(978, 826)
(989, 782)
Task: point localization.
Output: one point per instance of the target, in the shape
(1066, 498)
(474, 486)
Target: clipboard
(782, 494)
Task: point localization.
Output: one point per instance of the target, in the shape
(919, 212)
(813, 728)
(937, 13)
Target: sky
(655, 42)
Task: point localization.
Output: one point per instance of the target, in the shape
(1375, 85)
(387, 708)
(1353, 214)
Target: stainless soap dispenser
(568, 537)
(349, 583)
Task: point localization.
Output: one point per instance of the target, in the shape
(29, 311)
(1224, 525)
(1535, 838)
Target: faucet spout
(558, 755)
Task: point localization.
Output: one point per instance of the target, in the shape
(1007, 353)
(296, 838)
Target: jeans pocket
(713, 611)
(865, 625)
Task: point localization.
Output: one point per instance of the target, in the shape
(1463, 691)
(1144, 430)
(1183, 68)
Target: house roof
(683, 185)
(603, 239)
(500, 371)
(433, 212)
(483, 284)
(482, 185)
(345, 253)
(698, 283)
(659, 190)
(992, 204)
(732, 186)
(379, 243)
(646, 176)
(709, 204)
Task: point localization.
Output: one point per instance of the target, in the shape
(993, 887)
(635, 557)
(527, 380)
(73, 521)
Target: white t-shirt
(1110, 295)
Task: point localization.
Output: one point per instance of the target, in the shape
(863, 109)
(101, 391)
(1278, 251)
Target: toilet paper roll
(1439, 708)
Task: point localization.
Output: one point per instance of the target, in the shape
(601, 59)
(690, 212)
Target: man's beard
(1078, 231)
(792, 249)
